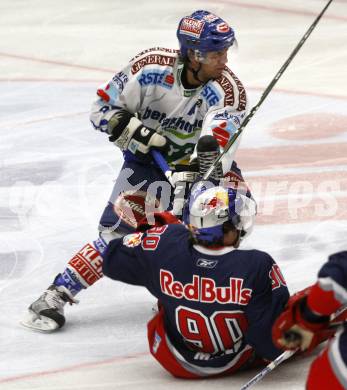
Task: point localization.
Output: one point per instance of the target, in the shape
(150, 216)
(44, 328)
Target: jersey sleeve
(330, 291)
(224, 118)
(269, 298)
(125, 261)
(121, 92)
(136, 258)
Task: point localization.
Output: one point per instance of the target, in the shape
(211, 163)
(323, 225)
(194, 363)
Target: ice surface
(57, 172)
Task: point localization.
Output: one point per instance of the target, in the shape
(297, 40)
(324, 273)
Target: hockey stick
(284, 356)
(265, 93)
(162, 164)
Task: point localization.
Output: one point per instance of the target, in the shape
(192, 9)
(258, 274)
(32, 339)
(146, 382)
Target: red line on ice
(72, 368)
(60, 63)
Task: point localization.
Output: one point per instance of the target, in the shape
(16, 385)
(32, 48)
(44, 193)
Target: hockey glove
(182, 179)
(160, 219)
(298, 327)
(128, 133)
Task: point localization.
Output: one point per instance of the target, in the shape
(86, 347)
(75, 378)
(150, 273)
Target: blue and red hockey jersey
(216, 302)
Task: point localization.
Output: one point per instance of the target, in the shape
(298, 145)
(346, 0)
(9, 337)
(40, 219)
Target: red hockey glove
(293, 330)
(161, 219)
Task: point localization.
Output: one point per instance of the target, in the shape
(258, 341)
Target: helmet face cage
(208, 209)
(204, 32)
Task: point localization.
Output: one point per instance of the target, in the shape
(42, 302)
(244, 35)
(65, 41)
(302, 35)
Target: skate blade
(38, 323)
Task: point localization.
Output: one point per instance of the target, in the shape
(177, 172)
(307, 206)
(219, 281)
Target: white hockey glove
(129, 133)
(185, 176)
(182, 181)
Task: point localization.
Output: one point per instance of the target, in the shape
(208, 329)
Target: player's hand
(184, 177)
(185, 173)
(129, 133)
(160, 219)
(292, 330)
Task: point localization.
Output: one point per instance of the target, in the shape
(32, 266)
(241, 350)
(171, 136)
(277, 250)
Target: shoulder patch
(132, 240)
(228, 88)
(158, 59)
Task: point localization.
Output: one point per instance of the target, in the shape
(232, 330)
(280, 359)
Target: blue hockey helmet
(208, 209)
(202, 32)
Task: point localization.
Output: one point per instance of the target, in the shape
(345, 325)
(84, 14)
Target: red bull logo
(132, 240)
(218, 201)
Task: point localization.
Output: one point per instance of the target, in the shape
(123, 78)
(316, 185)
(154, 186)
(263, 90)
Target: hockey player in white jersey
(164, 99)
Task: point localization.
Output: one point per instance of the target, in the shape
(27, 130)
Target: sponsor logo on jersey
(241, 89)
(191, 27)
(119, 80)
(221, 133)
(228, 89)
(211, 95)
(203, 289)
(165, 79)
(180, 123)
(226, 115)
(172, 123)
(152, 59)
(132, 240)
(169, 79)
(204, 263)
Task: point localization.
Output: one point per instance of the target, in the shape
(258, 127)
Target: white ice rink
(57, 172)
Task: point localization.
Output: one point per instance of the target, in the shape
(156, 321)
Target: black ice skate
(46, 314)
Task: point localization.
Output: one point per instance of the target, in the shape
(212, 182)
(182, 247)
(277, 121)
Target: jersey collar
(213, 252)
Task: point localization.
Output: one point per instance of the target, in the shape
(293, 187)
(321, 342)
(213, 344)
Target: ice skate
(46, 314)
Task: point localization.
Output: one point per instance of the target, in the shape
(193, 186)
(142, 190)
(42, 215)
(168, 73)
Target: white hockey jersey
(150, 86)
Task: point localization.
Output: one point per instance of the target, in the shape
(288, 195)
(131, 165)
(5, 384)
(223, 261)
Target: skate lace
(206, 159)
(57, 299)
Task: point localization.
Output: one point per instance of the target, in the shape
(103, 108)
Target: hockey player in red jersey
(306, 321)
(164, 99)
